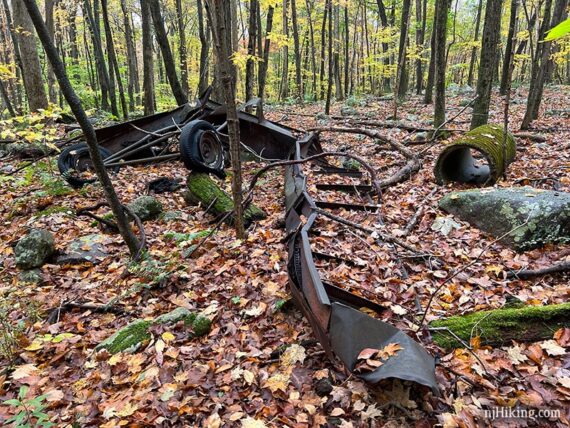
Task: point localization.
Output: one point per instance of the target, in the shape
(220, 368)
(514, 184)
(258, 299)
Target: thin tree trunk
(475, 39)
(182, 48)
(49, 9)
(298, 75)
(250, 65)
(509, 47)
(31, 68)
(220, 16)
(204, 43)
(167, 58)
(330, 59)
(419, 47)
(313, 48)
(385, 47)
(441, 10)
(346, 51)
(265, 63)
(401, 72)
(86, 126)
(148, 59)
(284, 86)
(487, 63)
(428, 95)
(113, 63)
(133, 85)
(323, 50)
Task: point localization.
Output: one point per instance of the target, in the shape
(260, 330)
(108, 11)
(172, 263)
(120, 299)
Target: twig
(458, 271)
(530, 273)
(419, 212)
(64, 307)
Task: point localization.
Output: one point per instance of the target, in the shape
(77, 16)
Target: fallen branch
(531, 273)
(55, 313)
(419, 212)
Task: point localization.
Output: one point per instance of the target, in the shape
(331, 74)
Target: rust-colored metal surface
(335, 314)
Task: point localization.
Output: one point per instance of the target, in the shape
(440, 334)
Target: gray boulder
(88, 248)
(34, 249)
(530, 218)
(146, 207)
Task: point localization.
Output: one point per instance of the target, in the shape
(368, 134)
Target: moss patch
(202, 189)
(496, 327)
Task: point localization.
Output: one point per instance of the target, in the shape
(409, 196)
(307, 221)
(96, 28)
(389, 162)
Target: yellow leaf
(293, 354)
(277, 382)
(159, 346)
(248, 376)
(36, 345)
(168, 337)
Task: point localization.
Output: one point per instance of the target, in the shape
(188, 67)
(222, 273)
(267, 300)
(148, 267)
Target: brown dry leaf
(277, 382)
(552, 348)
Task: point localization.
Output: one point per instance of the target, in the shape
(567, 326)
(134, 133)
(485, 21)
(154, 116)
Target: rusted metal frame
(161, 158)
(348, 188)
(333, 312)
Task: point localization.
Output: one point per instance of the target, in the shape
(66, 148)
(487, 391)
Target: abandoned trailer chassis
(334, 313)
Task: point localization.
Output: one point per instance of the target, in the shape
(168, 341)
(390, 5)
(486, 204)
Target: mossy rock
(132, 336)
(527, 218)
(500, 326)
(456, 161)
(146, 207)
(34, 249)
(203, 189)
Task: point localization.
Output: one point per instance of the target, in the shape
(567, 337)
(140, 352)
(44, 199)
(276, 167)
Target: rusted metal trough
(334, 313)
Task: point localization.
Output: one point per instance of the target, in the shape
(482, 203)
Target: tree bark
(284, 86)
(86, 126)
(204, 47)
(49, 8)
(250, 65)
(182, 48)
(31, 68)
(428, 95)
(475, 39)
(220, 17)
(487, 63)
(419, 46)
(265, 63)
(401, 68)
(133, 84)
(509, 46)
(330, 60)
(113, 63)
(148, 59)
(298, 75)
(441, 12)
(167, 58)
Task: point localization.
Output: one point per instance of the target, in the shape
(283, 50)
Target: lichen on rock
(526, 218)
(34, 249)
(146, 207)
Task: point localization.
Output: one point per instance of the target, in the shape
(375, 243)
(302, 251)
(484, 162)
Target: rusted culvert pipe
(456, 161)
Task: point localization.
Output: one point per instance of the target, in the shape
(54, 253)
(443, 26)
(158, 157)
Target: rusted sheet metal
(334, 313)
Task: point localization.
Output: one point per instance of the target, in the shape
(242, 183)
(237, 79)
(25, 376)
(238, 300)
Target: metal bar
(339, 171)
(349, 188)
(350, 207)
(145, 160)
(131, 151)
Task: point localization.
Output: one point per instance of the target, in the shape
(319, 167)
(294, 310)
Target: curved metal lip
(334, 313)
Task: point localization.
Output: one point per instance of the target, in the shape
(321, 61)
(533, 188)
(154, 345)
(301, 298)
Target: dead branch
(419, 212)
(55, 313)
(531, 273)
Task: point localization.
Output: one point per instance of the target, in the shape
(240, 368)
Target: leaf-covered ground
(238, 375)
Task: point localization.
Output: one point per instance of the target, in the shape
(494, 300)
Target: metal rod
(145, 160)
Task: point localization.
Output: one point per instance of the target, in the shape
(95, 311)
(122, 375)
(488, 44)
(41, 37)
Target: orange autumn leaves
(370, 359)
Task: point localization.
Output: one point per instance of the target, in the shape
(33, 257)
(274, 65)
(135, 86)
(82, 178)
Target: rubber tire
(65, 163)
(190, 150)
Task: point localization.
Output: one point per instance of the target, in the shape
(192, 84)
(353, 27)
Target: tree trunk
(313, 53)
(441, 12)
(220, 16)
(265, 63)
(428, 95)
(133, 85)
(330, 59)
(509, 46)
(487, 63)
(385, 47)
(49, 7)
(148, 59)
(167, 58)
(323, 50)
(501, 326)
(543, 61)
(204, 47)
(401, 68)
(113, 63)
(182, 48)
(284, 86)
(298, 76)
(86, 126)
(475, 39)
(31, 68)
(250, 65)
(419, 47)
(107, 92)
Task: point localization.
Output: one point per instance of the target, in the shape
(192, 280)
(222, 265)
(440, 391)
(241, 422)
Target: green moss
(205, 190)
(127, 338)
(201, 326)
(502, 325)
(52, 210)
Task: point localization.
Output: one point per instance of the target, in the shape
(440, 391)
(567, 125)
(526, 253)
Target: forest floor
(231, 377)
